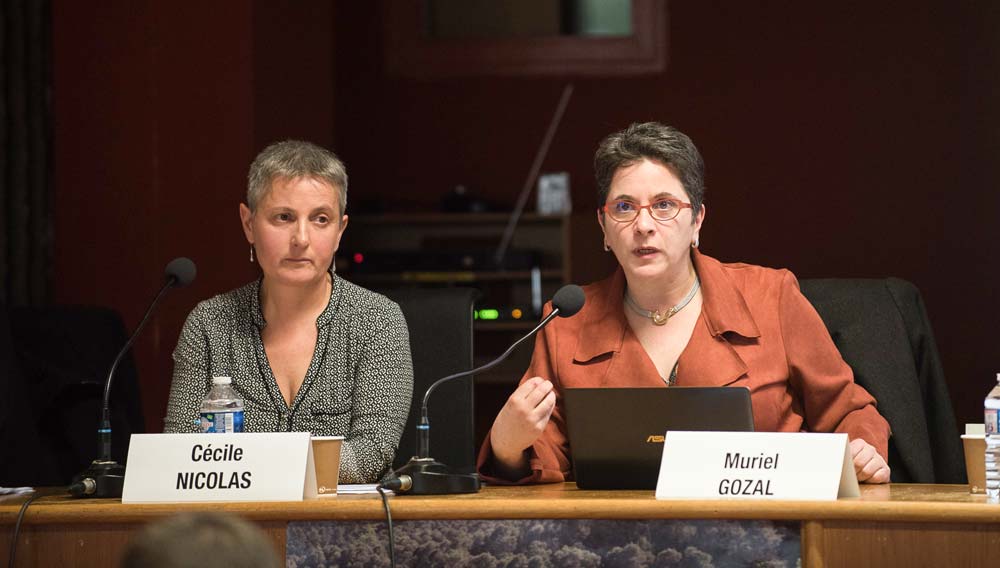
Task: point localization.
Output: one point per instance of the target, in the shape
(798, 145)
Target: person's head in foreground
(196, 540)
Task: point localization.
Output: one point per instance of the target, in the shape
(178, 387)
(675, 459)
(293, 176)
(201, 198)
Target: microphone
(105, 477)
(423, 475)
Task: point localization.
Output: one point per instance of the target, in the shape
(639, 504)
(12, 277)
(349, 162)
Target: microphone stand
(423, 475)
(105, 477)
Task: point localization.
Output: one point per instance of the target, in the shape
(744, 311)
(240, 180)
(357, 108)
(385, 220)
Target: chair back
(440, 325)
(881, 328)
(62, 355)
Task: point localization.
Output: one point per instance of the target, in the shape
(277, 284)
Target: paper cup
(326, 456)
(975, 461)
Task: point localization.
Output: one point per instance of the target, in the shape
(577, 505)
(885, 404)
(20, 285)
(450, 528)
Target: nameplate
(756, 465)
(185, 468)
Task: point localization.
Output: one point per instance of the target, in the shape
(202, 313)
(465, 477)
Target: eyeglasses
(625, 211)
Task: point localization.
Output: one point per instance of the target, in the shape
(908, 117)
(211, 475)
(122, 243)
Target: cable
(536, 166)
(17, 528)
(388, 520)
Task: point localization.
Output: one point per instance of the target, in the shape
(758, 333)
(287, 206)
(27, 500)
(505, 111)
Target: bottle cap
(228, 380)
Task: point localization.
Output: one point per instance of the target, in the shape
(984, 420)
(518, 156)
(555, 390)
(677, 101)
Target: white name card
(184, 468)
(756, 465)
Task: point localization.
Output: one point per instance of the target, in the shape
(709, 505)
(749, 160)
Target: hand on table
(868, 464)
(521, 421)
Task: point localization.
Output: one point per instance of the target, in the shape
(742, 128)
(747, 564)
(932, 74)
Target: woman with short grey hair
(306, 350)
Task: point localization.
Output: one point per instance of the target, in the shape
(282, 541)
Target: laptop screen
(616, 434)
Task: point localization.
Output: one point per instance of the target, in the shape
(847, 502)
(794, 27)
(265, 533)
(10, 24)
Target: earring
(694, 243)
(251, 254)
(606, 247)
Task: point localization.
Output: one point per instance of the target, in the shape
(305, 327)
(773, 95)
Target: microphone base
(104, 479)
(430, 477)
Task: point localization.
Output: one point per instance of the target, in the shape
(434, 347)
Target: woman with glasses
(671, 315)
(306, 350)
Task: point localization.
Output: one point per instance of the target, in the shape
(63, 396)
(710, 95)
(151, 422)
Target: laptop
(616, 434)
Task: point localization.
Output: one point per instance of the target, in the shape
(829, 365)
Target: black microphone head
(568, 300)
(181, 271)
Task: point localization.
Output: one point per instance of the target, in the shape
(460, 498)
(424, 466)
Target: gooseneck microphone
(423, 475)
(105, 477)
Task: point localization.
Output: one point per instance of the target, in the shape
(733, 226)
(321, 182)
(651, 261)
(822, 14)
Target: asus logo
(654, 439)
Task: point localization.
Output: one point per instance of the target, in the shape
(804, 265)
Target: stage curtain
(25, 151)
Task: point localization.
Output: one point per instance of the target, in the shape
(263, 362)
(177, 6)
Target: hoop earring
(606, 247)
(694, 243)
(251, 254)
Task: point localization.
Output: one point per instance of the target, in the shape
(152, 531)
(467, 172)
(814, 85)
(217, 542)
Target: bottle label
(991, 421)
(222, 422)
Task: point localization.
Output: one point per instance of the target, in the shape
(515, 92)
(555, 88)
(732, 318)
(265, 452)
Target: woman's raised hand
(520, 422)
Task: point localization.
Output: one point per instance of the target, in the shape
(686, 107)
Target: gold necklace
(658, 317)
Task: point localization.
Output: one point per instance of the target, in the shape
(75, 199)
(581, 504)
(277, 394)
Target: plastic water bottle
(222, 409)
(992, 407)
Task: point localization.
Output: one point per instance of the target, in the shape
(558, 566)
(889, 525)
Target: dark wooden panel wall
(841, 140)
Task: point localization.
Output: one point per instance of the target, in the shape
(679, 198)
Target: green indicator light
(488, 314)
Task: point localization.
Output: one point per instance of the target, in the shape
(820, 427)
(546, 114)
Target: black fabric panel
(440, 325)
(25, 146)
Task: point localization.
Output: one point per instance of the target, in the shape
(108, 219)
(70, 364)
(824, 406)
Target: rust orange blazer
(755, 330)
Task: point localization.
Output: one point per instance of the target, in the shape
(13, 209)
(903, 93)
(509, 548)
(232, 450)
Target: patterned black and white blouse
(358, 384)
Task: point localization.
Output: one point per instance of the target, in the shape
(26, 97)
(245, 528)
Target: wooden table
(905, 525)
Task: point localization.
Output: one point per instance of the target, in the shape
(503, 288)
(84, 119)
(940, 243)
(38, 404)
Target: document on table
(358, 489)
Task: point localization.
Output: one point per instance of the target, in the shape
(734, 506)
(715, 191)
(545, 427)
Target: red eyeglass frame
(681, 205)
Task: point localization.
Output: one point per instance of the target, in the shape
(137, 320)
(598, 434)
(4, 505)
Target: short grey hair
(293, 159)
(652, 141)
